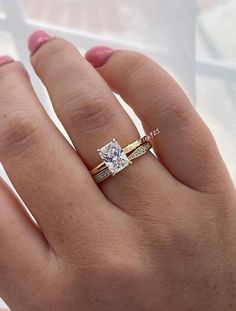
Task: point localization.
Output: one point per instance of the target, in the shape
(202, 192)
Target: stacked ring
(116, 159)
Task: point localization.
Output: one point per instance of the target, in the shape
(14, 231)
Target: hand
(160, 235)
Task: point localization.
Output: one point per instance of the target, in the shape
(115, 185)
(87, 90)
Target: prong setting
(114, 157)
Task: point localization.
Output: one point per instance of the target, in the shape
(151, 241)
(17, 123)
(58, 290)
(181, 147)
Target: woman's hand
(160, 235)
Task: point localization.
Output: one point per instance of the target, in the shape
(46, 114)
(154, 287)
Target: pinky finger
(23, 248)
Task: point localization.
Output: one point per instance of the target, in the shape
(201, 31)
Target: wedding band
(115, 159)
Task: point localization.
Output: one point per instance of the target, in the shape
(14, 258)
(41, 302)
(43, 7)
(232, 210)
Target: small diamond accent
(114, 157)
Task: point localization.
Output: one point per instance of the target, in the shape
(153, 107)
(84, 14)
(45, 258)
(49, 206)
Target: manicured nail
(98, 55)
(5, 59)
(37, 39)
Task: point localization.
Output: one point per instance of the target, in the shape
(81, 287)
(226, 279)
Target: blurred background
(195, 40)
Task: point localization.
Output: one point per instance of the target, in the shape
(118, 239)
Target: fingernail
(98, 55)
(37, 39)
(5, 59)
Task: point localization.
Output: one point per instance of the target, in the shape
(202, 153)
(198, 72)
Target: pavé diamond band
(116, 159)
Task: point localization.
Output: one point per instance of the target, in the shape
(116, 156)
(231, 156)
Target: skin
(160, 235)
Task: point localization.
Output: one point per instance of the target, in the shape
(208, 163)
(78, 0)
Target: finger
(45, 170)
(21, 242)
(88, 110)
(185, 145)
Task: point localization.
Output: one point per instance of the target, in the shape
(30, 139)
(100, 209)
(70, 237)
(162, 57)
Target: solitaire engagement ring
(115, 159)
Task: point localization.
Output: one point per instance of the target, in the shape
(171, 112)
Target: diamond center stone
(114, 157)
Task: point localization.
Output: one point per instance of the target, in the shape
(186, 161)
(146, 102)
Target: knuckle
(88, 111)
(115, 265)
(164, 94)
(49, 54)
(10, 73)
(114, 276)
(136, 63)
(170, 102)
(18, 132)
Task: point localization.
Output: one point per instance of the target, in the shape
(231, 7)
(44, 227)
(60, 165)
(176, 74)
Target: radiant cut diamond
(114, 157)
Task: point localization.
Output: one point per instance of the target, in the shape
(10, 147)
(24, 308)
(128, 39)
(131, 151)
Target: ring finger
(89, 111)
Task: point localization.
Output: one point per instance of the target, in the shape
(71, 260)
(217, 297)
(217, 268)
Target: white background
(194, 39)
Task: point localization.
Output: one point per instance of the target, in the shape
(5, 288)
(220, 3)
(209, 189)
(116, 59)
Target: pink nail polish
(98, 55)
(37, 39)
(5, 59)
